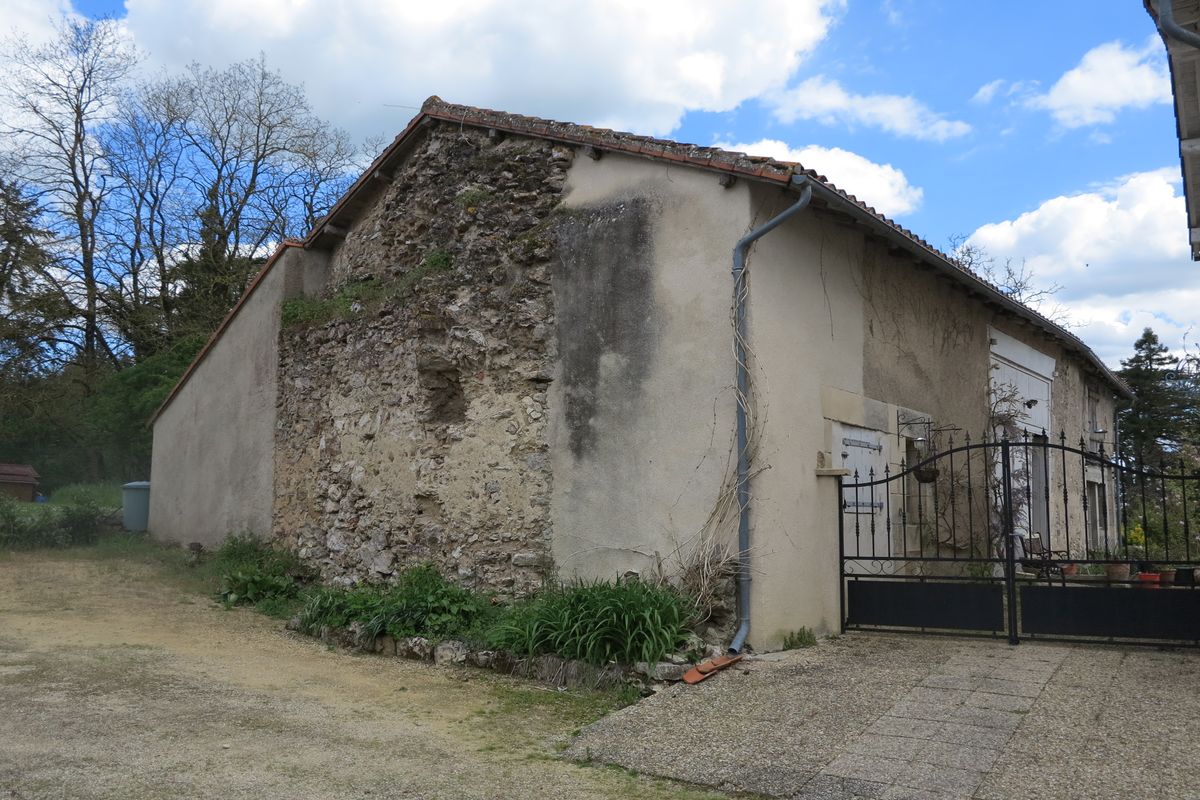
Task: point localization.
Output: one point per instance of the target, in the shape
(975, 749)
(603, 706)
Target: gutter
(743, 398)
(1169, 27)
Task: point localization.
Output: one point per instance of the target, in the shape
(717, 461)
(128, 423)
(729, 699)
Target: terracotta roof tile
(711, 158)
(737, 163)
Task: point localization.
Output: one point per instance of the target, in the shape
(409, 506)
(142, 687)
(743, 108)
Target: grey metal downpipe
(1168, 25)
(743, 387)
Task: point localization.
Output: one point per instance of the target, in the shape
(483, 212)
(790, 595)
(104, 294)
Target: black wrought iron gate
(1023, 538)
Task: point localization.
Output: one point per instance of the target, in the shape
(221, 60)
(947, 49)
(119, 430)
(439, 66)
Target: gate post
(841, 513)
(1009, 531)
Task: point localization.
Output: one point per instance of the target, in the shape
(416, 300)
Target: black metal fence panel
(926, 604)
(1110, 612)
(1058, 540)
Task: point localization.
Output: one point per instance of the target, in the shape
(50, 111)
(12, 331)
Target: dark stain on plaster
(606, 316)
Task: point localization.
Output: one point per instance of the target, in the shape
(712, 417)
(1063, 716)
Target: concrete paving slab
(885, 716)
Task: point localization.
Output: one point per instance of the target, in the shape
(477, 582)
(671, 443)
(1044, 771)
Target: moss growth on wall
(412, 403)
(366, 296)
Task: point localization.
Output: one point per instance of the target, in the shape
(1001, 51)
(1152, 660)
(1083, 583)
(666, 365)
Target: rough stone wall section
(412, 427)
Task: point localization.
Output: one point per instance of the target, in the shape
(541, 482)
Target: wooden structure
(19, 481)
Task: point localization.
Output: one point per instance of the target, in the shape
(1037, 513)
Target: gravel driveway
(889, 716)
(117, 683)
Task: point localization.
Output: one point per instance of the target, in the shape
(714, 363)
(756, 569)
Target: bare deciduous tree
(1012, 277)
(58, 94)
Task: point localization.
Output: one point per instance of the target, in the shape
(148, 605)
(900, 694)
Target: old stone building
(508, 351)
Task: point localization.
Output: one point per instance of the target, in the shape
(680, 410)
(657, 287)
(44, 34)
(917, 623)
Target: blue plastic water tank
(135, 505)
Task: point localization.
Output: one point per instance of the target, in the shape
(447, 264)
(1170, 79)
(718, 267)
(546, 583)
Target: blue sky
(1041, 130)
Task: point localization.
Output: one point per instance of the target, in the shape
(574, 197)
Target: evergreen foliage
(1162, 416)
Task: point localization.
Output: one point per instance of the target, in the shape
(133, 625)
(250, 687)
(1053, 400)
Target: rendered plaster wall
(212, 464)
(412, 420)
(928, 348)
(845, 331)
(807, 334)
(641, 406)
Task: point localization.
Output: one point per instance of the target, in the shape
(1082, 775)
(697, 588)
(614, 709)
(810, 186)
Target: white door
(1020, 392)
(862, 452)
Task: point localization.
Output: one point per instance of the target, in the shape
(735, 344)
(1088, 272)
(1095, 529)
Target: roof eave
(973, 283)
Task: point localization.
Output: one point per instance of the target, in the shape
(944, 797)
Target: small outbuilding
(19, 481)
(522, 349)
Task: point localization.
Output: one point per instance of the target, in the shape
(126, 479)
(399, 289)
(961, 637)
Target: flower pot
(1070, 570)
(1148, 580)
(1185, 576)
(925, 474)
(1117, 572)
(1166, 577)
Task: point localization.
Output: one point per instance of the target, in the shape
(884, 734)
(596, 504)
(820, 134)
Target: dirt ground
(117, 681)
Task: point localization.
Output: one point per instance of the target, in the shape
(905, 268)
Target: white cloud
(827, 102)
(1119, 251)
(32, 18)
(988, 91)
(1109, 78)
(880, 185)
(622, 64)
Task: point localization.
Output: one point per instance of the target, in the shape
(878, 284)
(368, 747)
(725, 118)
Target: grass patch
(73, 521)
(601, 622)
(474, 197)
(104, 495)
(370, 294)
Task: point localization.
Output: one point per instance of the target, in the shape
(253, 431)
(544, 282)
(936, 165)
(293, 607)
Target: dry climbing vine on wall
(705, 562)
(1005, 415)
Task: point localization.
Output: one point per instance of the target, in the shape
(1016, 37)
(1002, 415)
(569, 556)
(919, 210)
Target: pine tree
(1157, 421)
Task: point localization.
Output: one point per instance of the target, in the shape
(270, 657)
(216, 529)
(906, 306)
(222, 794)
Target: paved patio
(889, 716)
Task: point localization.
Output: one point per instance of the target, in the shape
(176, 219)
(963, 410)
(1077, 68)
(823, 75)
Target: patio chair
(1041, 561)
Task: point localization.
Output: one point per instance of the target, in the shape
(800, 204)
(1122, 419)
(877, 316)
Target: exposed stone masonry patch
(415, 430)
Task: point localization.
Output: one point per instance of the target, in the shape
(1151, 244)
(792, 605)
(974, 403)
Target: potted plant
(1069, 569)
(1130, 555)
(925, 474)
(1166, 575)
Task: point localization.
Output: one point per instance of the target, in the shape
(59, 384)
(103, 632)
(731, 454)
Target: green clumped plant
(421, 603)
(254, 572)
(253, 586)
(804, 637)
(599, 622)
(75, 521)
